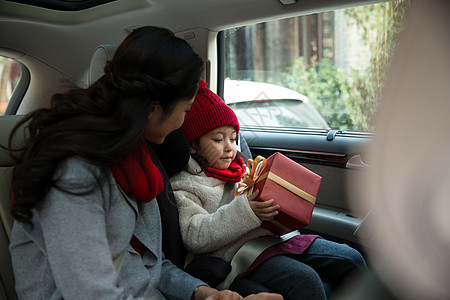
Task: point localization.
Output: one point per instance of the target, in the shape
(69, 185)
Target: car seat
(7, 290)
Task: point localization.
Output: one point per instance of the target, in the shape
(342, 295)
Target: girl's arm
(204, 232)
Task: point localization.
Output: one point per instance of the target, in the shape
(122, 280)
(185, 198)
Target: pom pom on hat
(203, 84)
(208, 112)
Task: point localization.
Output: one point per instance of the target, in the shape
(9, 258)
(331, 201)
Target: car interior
(369, 197)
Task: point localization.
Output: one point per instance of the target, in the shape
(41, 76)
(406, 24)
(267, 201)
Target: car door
(337, 156)
(320, 60)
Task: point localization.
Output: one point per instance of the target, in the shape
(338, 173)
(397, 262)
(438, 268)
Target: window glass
(10, 74)
(322, 70)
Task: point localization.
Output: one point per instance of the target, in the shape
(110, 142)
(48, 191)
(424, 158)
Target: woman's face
(218, 147)
(160, 124)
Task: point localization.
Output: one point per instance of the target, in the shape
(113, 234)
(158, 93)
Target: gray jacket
(69, 251)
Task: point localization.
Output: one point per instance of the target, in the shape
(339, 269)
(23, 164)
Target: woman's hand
(264, 210)
(207, 293)
(264, 296)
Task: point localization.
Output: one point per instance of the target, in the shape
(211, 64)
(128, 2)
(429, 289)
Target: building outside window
(336, 59)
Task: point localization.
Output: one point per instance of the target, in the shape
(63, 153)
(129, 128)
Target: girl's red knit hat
(208, 112)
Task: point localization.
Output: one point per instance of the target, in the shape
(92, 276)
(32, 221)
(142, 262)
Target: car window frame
(329, 133)
(19, 91)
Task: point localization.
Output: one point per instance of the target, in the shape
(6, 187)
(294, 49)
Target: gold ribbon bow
(248, 181)
(256, 167)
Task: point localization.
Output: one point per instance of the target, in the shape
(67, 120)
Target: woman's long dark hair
(104, 122)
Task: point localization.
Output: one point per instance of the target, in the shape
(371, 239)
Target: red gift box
(291, 185)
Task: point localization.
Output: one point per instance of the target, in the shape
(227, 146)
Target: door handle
(355, 162)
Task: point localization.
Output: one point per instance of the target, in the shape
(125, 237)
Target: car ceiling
(76, 5)
(41, 33)
(66, 5)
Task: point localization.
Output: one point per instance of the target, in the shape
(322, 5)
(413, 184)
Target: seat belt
(118, 261)
(248, 253)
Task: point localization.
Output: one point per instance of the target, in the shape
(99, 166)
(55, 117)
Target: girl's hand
(264, 210)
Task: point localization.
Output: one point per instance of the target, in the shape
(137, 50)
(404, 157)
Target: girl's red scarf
(138, 177)
(233, 174)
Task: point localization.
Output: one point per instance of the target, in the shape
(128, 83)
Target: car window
(263, 104)
(10, 74)
(335, 62)
(278, 113)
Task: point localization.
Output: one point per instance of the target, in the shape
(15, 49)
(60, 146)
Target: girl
(213, 223)
(86, 225)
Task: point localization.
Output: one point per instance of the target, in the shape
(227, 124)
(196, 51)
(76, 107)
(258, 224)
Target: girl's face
(160, 124)
(218, 147)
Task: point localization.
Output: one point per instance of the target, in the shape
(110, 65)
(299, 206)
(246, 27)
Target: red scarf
(138, 177)
(233, 174)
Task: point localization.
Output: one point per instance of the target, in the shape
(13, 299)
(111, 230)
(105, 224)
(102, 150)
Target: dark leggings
(311, 275)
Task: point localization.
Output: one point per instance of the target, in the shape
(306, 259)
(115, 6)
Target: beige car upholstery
(6, 166)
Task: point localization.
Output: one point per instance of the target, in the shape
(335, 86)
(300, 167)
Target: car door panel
(338, 212)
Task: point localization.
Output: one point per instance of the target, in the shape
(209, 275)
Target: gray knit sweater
(205, 227)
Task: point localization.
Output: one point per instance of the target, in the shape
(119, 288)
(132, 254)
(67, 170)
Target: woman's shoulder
(76, 169)
(75, 166)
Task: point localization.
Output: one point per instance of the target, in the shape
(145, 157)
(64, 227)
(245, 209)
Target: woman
(86, 225)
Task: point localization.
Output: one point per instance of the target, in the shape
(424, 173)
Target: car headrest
(6, 124)
(101, 55)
